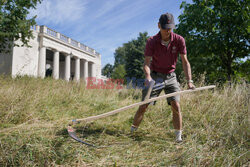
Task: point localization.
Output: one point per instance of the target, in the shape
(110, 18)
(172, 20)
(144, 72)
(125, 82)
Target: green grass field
(34, 115)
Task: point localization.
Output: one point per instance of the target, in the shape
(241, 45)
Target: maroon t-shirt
(164, 58)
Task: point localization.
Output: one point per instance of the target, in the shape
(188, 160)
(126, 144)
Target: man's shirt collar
(159, 36)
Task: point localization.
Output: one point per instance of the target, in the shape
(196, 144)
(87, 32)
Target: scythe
(72, 132)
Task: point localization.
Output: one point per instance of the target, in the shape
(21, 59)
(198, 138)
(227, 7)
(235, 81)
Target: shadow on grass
(98, 132)
(88, 132)
(97, 135)
(63, 133)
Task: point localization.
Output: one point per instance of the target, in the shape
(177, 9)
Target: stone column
(98, 75)
(81, 69)
(42, 62)
(56, 65)
(85, 74)
(77, 69)
(67, 67)
(93, 73)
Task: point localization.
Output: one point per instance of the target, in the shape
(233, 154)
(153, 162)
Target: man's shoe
(133, 129)
(178, 140)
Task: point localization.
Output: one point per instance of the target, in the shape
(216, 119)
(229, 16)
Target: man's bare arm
(146, 67)
(187, 70)
(186, 67)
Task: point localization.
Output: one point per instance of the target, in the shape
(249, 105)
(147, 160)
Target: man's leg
(139, 115)
(177, 119)
(156, 90)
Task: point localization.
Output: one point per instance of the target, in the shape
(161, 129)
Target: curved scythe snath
(72, 132)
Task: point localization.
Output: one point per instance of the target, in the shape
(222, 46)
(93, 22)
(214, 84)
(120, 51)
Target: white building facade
(68, 59)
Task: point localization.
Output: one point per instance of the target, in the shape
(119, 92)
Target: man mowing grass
(161, 55)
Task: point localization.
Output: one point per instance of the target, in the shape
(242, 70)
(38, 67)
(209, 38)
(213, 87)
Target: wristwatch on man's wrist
(190, 81)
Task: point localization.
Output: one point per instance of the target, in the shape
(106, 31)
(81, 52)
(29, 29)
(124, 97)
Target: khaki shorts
(169, 85)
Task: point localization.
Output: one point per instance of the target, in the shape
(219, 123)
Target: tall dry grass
(34, 114)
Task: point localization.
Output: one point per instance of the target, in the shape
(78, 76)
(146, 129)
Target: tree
(119, 72)
(217, 35)
(135, 56)
(120, 56)
(107, 70)
(131, 56)
(14, 24)
(243, 70)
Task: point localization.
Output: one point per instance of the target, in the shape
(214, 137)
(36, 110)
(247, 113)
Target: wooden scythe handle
(92, 118)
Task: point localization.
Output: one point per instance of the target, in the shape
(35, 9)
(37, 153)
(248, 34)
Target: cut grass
(34, 114)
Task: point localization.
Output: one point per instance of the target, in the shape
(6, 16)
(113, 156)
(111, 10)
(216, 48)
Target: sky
(104, 25)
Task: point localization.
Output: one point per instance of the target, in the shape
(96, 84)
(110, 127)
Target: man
(161, 55)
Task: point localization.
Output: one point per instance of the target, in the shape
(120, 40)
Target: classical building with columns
(50, 50)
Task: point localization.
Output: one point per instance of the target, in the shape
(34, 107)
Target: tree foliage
(14, 24)
(135, 56)
(217, 36)
(120, 56)
(129, 59)
(107, 70)
(119, 72)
